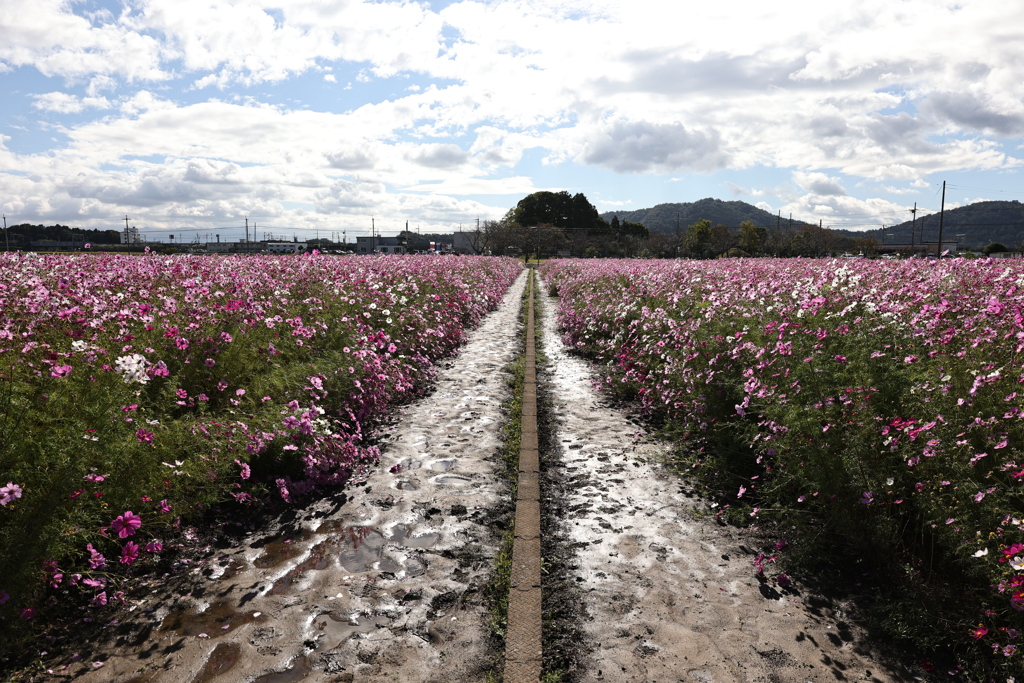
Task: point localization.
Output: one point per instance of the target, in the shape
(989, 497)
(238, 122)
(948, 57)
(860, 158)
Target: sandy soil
(381, 584)
(669, 594)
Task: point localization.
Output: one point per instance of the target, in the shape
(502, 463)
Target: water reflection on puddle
(442, 465)
(332, 630)
(223, 657)
(400, 536)
(296, 672)
(218, 619)
(280, 550)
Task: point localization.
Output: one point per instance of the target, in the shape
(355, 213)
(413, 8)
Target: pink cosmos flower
(978, 633)
(127, 524)
(28, 613)
(129, 553)
(60, 371)
(163, 506)
(4, 596)
(144, 436)
(210, 362)
(100, 599)
(222, 385)
(154, 547)
(9, 493)
(96, 559)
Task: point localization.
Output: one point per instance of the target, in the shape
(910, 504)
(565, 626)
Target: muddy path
(667, 593)
(380, 583)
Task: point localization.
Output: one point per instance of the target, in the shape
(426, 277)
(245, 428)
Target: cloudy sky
(314, 115)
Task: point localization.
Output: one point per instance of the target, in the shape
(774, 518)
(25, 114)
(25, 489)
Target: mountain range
(665, 218)
(974, 225)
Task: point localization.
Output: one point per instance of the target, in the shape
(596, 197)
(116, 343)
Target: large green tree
(560, 210)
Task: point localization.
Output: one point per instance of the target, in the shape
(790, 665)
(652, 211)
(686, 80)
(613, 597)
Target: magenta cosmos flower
(127, 524)
(129, 553)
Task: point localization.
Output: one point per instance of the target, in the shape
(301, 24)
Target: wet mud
(668, 594)
(383, 583)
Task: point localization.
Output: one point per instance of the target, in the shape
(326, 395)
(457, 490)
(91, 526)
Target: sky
(322, 117)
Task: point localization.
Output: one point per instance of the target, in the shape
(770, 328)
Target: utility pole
(942, 212)
(7, 235)
(247, 234)
(913, 226)
(126, 241)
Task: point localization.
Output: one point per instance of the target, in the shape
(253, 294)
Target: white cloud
(819, 184)
(891, 92)
(64, 103)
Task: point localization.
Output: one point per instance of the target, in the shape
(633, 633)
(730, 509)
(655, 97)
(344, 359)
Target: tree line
(547, 224)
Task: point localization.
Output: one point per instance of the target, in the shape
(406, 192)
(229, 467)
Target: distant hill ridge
(663, 217)
(980, 223)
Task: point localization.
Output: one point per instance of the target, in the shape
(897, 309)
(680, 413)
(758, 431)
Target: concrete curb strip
(523, 648)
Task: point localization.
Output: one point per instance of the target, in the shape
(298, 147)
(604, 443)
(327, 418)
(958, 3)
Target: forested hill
(664, 217)
(980, 224)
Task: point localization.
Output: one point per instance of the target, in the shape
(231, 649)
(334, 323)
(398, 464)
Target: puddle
(453, 479)
(296, 672)
(220, 618)
(281, 549)
(406, 485)
(442, 465)
(332, 630)
(223, 657)
(228, 571)
(362, 548)
(400, 535)
(318, 560)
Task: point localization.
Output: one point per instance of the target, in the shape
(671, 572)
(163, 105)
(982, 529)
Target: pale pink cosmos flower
(9, 493)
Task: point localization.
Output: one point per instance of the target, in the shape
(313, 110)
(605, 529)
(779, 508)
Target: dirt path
(670, 594)
(382, 586)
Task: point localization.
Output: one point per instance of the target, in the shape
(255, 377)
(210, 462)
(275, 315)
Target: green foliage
(994, 248)
(751, 237)
(560, 210)
(697, 238)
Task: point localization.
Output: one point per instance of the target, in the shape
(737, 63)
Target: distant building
(284, 247)
(381, 245)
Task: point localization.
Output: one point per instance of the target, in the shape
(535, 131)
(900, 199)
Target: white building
(285, 247)
(381, 245)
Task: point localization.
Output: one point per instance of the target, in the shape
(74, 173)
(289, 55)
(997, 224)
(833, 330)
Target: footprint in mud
(452, 480)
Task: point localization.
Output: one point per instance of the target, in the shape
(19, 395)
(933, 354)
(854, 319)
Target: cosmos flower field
(866, 408)
(138, 391)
